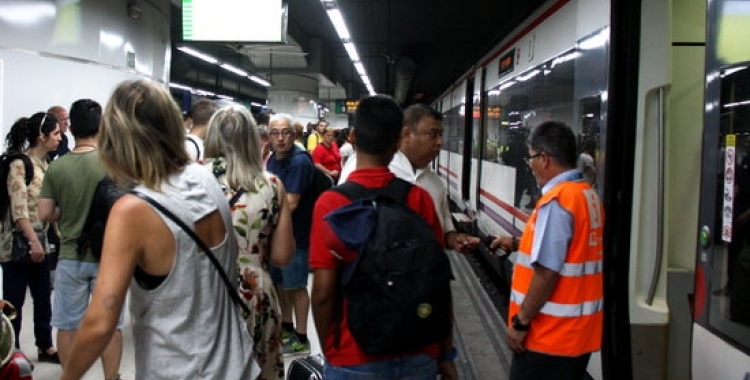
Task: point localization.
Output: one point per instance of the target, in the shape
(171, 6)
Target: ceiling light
(180, 86)
(197, 54)
(352, 50)
(338, 23)
(260, 81)
(234, 69)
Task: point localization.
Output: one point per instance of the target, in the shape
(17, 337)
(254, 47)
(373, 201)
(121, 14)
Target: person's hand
(515, 340)
(447, 370)
(335, 173)
(465, 243)
(37, 252)
(503, 242)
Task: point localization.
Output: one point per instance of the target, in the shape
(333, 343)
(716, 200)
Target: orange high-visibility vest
(570, 322)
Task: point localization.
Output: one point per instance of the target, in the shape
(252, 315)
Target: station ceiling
(412, 49)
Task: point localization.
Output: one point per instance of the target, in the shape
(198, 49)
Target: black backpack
(321, 180)
(397, 292)
(92, 234)
(5, 160)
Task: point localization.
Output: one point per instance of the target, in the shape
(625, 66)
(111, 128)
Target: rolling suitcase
(307, 368)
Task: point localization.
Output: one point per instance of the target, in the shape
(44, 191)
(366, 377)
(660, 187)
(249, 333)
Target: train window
(730, 277)
(567, 88)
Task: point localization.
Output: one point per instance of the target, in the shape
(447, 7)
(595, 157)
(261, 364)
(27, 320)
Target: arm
(543, 282)
(461, 242)
(292, 200)
(281, 240)
(48, 210)
(323, 301)
(332, 173)
(19, 208)
(120, 254)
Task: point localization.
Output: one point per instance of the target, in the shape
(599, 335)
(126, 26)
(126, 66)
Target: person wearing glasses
(556, 304)
(296, 170)
(35, 137)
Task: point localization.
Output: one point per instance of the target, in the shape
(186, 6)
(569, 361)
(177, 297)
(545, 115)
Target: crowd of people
(218, 192)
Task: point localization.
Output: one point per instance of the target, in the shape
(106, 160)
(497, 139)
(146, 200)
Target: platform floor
(479, 334)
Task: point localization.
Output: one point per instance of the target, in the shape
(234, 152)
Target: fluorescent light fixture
(352, 50)
(256, 104)
(198, 54)
(260, 81)
(225, 97)
(338, 23)
(360, 68)
(234, 69)
(204, 92)
(180, 86)
(337, 20)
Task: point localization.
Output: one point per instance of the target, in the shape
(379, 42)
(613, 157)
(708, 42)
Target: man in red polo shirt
(379, 121)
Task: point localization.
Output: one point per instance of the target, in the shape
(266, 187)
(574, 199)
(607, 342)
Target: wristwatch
(518, 325)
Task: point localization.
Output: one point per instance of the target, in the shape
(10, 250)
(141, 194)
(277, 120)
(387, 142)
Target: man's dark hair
(202, 111)
(557, 140)
(85, 117)
(264, 117)
(415, 112)
(377, 125)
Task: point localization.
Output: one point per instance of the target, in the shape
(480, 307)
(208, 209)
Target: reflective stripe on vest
(570, 322)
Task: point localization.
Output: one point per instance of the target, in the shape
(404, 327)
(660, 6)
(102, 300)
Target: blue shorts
(417, 367)
(74, 283)
(293, 275)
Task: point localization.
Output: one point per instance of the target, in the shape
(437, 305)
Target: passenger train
(658, 93)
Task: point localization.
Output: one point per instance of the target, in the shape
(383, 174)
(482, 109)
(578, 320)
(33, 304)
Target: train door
(721, 334)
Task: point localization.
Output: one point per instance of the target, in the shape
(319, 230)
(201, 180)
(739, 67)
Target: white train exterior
(648, 87)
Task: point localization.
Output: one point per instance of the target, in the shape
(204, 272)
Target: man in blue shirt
(296, 171)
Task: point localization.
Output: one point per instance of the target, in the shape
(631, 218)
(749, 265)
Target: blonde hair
(233, 134)
(142, 139)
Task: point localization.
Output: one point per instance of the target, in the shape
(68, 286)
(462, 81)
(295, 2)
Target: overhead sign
(344, 106)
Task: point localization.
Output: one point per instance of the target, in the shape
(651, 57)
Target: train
(658, 93)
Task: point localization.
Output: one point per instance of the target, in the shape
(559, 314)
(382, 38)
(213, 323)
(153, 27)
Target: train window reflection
(730, 284)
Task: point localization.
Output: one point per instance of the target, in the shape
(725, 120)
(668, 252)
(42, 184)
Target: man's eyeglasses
(531, 158)
(283, 133)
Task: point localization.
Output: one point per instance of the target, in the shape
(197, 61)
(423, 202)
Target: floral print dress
(254, 214)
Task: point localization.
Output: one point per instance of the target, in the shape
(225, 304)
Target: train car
(657, 93)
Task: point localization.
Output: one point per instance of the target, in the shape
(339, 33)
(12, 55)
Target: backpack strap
(28, 165)
(398, 190)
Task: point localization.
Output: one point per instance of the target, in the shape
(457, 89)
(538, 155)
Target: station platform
(479, 334)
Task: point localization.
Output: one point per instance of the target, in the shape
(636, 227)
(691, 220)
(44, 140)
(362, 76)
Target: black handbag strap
(231, 288)
(236, 197)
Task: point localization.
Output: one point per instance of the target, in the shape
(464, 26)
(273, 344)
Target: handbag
(21, 247)
(231, 288)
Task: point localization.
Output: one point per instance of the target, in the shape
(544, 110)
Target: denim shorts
(74, 283)
(293, 275)
(417, 367)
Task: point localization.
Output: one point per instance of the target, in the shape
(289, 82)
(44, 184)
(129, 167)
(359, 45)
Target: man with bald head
(61, 114)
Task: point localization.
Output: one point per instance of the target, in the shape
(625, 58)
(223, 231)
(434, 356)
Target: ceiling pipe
(405, 68)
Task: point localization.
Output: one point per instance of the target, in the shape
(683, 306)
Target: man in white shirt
(421, 140)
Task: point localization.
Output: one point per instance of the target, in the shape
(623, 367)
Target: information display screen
(234, 20)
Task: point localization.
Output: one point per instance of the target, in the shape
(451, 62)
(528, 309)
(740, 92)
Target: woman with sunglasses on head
(33, 137)
(185, 324)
